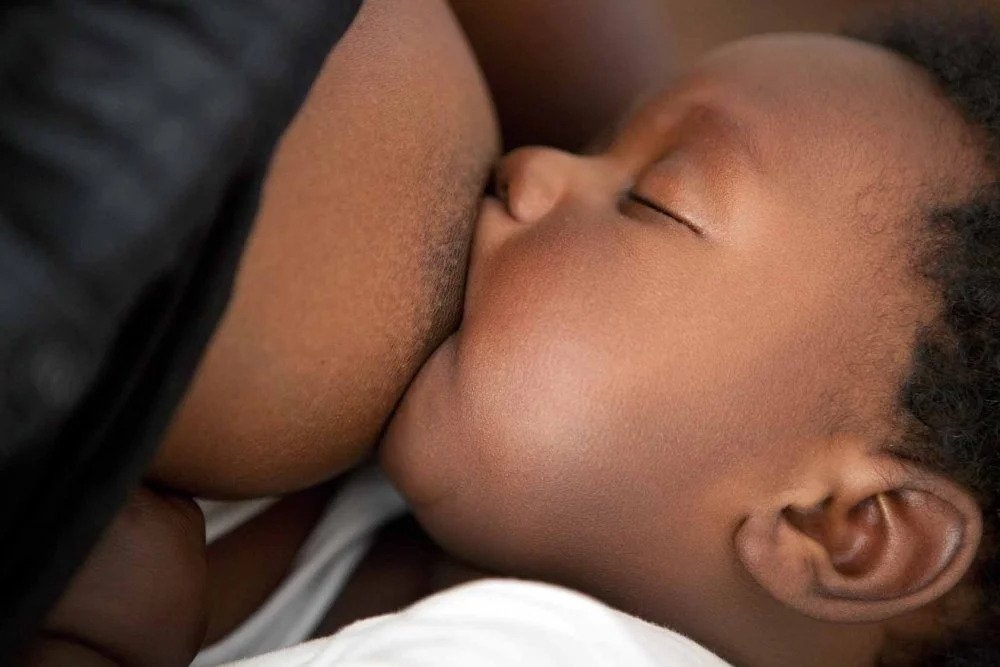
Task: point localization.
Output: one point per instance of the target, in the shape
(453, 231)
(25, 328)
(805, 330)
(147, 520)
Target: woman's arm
(703, 25)
(562, 70)
(140, 597)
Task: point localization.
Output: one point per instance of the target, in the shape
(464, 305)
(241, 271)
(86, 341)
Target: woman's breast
(356, 267)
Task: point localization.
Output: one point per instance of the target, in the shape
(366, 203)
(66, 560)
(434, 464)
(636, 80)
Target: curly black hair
(951, 396)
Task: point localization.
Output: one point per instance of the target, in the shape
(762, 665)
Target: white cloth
(499, 623)
(319, 572)
(223, 516)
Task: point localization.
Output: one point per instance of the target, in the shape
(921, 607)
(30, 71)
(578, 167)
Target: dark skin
(145, 581)
(355, 263)
(598, 57)
(674, 383)
(377, 223)
(266, 375)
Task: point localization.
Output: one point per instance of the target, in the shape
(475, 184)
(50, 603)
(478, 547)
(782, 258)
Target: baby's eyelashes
(633, 198)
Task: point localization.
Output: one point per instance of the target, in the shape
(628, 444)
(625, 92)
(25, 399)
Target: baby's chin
(417, 450)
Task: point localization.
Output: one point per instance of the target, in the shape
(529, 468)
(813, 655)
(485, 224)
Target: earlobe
(882, 540)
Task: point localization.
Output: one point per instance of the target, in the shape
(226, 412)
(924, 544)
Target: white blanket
(321, 568)
(499, 623)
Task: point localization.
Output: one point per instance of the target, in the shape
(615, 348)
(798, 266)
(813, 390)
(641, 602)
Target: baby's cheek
(539, 396)
(529, 437)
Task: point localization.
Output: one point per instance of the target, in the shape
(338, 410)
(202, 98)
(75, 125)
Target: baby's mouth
(489, 205)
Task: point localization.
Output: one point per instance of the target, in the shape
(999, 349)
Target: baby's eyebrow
(733, 130)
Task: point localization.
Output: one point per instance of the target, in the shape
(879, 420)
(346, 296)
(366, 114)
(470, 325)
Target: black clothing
(133, 141)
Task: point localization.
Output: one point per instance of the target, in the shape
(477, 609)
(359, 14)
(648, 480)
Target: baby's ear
(862, 538)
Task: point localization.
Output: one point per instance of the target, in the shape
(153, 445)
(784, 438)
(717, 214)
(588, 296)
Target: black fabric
(133, 141)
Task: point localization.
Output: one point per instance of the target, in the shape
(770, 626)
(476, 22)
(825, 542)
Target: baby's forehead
(834, 108)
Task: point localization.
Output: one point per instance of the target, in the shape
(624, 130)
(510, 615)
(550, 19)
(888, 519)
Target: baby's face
(656, 335)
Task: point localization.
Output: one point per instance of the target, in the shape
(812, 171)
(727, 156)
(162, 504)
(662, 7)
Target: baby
(736, 371)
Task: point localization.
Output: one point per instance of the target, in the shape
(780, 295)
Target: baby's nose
(531, 181)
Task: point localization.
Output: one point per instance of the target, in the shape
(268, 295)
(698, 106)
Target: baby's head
(738, 372)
